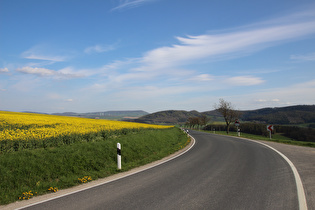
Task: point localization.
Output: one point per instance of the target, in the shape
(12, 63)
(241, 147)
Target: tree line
(225, 108)
(294, 132)
(230, 114)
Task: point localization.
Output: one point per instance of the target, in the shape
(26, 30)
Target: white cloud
(4, 70)
(118, 64)
(31, 55)
(202, 78)
(244, 81)
(166, 61)
(99, 48)
(290, 95)
(307, 57)
(237, 43)
(163, 66)
(44, 57)
(43, 72)
(36, 71)
(127, 4)
(70, 72)
(40, 52)
(260, 100)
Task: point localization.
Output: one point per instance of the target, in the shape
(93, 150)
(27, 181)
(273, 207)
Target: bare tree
(200, 121)
(228, 112)
(192, 121)
(203, 120)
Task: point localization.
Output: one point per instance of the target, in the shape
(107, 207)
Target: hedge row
(293, 132)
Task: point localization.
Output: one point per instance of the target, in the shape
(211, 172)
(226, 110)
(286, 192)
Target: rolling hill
(301, 114)
(117, 115)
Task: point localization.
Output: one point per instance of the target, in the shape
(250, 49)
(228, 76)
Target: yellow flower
(26, 126)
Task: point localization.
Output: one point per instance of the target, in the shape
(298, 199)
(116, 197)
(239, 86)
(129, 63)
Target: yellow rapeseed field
(26, 126)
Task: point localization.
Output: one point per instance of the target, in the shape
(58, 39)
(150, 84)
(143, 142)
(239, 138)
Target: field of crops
(41, 154)
(28, 131)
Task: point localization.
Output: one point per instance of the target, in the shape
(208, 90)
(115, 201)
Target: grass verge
(275, 138)
(27, 173)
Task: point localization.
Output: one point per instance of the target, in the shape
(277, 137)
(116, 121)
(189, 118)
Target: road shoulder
(303, 159)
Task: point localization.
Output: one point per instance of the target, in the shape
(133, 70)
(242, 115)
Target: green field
(38, 171)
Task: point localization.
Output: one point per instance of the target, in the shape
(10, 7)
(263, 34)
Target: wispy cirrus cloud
(170, 60)
(202, 78)
(41, 52)
(127, 4)
(244, 81)
(65, 73)
(306, 57)
(100, 48)
(226, 45)
(36, 71)
(30, 55)
(289, 95)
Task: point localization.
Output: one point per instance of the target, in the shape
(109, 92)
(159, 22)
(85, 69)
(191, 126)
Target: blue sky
(154, 55)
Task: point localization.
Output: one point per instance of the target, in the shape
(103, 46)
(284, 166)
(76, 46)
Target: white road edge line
(298, 181)
(160, 163)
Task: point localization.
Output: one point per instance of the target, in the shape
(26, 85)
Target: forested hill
(301, 114)
(176, 116)
(168, 117)
(107, 115)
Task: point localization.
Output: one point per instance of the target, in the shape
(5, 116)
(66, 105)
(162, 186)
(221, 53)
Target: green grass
(60, 167)
(275, 138)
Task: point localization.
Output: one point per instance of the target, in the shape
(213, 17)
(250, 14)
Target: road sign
(237, 123)
(270, 128)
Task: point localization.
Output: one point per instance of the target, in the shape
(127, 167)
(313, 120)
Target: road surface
(219, 172)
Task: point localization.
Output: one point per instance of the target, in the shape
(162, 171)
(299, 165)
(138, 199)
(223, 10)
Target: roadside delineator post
(118, 156)
(237, 124)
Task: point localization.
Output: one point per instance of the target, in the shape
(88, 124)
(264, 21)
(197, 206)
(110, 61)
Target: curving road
(219, 172)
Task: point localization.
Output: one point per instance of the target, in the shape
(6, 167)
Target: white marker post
(237, 123)
(118, 156)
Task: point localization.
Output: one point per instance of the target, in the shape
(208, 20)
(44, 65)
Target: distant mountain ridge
(106, 114)
(300, 114)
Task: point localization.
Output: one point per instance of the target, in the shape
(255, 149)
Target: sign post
(118, 156)
(237, 123)
(270, 129)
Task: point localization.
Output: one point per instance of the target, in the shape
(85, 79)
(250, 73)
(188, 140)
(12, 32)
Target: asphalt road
(219, 172)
